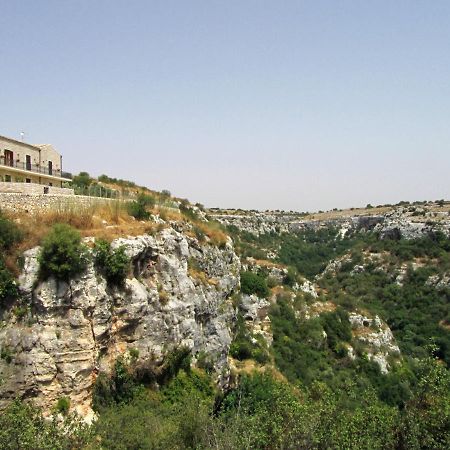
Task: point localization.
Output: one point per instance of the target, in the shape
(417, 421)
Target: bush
(175, 360)
(9, 233)
(290, 278)
(252, 283)
(63, 405)
(8, 287)
(138, 208)
(23, 427)
(245, 346)
(114, 264)
(62, 254)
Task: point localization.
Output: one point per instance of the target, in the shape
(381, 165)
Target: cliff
(74, 330)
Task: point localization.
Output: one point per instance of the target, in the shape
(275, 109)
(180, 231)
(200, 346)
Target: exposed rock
(256, 313)
(439, 281)
(405, 222)
(378, 338)
(79, 328)
(308, 288)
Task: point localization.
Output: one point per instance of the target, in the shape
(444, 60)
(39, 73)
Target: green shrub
(22, 426)
(175, 360)
(138, 208)
(290, 278)
(114, 264)
(8, 287)
(185, 384)
(252, 283)
(134, 354)
(187, 211)
(62, 254)
(241, 350)
(205, 361)
(6, 354)
(9, 233)
(63, 405)
(82, 180)
(337, 327)
(245, 346)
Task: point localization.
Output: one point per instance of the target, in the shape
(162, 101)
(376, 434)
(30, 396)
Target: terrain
(160, 324)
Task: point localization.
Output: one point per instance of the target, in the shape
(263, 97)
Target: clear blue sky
(255, 104)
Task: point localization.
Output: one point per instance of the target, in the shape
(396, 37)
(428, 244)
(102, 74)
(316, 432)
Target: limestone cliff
(74, 330)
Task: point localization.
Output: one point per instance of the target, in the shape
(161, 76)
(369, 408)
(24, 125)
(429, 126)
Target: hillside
(225, 329)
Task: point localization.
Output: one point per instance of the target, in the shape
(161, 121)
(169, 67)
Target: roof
(15, 141)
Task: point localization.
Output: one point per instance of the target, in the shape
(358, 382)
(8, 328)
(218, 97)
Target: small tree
(82, 180)
(62, 254)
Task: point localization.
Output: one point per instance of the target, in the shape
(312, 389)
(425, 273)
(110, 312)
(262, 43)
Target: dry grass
(348, 213)
(214, 232)
(322, 307)
(201, 277)
(269, 264)
(249, 366)
(106, 219)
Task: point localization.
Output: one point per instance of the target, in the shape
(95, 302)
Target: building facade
(25, 163)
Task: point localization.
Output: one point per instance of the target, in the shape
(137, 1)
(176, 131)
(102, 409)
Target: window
(27, 180)
(9, 158)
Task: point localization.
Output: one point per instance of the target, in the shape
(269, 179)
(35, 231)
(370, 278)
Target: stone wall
(33, 188)
(34, 203)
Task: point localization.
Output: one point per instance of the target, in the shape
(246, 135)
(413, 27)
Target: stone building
(25, 163)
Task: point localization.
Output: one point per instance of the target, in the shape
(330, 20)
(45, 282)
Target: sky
(294, 105)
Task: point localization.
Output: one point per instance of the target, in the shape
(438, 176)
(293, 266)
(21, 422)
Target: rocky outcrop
(399, 222)
(255, 311)
(377, 338)
(74, 330)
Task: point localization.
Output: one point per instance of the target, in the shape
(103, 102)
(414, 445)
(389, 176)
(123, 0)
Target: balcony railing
(30, 167)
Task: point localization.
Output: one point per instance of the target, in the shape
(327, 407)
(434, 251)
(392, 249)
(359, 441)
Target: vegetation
(8, 287)
(10, 233)
(112, 263)
(252, 283)
(261, 412)
(63, 405)
(308, 252)
(245, 346)
(9, 236)
(310, 393)
(22, 426)
(62, 254)
(139, 208)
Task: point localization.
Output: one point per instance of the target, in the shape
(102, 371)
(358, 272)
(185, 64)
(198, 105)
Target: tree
(82, 180)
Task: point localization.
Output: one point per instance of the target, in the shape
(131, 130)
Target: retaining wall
(33, 203)
(33, 188)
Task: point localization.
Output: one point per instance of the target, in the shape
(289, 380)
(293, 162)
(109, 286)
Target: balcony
(32, 168)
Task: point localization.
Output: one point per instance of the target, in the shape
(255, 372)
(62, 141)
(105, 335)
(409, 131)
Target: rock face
(406, 222)
(76, 329)
(377, 337)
